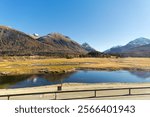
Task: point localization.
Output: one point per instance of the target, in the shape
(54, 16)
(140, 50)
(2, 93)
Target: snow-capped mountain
(139, 42)
(137, 47)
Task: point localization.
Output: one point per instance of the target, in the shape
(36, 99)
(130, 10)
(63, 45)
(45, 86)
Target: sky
(101, 23)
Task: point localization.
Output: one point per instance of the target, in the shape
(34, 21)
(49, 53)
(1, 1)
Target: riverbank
(38, 65)
(71, 87)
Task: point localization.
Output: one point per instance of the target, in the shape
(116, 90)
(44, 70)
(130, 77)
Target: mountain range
(17, 43)
(14, 42)
(139, 47)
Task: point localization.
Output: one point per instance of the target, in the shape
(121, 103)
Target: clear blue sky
(101, 23)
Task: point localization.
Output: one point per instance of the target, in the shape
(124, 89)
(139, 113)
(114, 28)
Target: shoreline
(74, 70)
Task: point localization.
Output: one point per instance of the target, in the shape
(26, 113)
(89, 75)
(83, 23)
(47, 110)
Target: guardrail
(129, 93)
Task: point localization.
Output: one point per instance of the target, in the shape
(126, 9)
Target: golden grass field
(35, 65)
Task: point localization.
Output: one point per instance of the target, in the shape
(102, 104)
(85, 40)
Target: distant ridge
(87, 47)
(139, 47)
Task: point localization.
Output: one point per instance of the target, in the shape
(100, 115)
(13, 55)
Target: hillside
(142, 51)
(14, 42)
(59, 41)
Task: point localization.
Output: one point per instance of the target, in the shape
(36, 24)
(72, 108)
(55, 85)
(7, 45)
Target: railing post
(8, 97)
(129, 91)
(95, 93)
(55, 96)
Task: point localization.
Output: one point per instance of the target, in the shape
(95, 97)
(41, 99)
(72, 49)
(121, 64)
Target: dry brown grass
(32, 65)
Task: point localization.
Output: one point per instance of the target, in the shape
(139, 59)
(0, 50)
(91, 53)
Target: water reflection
(41, 80)
(141, 74)
(6, 81)
(74, 77)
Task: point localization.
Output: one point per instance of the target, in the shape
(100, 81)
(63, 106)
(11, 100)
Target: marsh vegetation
(38, 65)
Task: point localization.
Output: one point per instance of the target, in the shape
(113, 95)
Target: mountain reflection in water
(141, 74)
(81, 76)
(41, 80)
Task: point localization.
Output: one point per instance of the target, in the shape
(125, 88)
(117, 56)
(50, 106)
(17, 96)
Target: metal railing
(129, 93)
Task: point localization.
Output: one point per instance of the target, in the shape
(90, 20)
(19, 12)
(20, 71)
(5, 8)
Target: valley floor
(38, 65)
